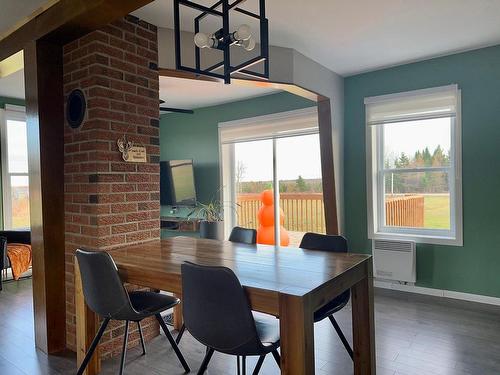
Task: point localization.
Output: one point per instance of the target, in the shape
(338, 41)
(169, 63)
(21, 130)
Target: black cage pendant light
(223, 38)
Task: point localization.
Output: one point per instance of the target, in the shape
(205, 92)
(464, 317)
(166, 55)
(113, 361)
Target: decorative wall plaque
(137, 154)
(131, 153)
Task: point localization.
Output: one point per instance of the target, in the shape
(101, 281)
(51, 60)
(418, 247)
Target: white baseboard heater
(395, 260)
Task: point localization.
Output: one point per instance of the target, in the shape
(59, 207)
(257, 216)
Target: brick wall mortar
(108, 202)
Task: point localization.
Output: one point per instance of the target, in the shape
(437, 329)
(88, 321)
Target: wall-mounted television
(177, 186)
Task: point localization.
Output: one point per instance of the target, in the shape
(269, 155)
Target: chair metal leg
(277, 357)
(244, 365)
(179, 335)
(142, 338)
(91, 350)
(172, 342)
(259, 365)
(124, 348)
(238, 364)
(341, 335)
(205, 362)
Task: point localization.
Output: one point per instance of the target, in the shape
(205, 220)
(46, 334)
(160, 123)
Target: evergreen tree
(438, 157)
(403, 161)
(422, 182)
(301, 184)
(426, 154)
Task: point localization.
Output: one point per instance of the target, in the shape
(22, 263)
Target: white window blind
(413, 105)
(293, 123)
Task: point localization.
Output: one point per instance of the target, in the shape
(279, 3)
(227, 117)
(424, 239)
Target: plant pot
(213, 230)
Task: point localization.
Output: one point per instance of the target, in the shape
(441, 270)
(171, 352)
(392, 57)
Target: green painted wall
(196, 136)
(475, 267)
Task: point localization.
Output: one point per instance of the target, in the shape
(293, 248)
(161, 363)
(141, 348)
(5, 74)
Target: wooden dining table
(289, 283)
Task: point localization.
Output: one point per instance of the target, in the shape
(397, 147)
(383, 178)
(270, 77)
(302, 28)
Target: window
(15, 180)
(414, 166)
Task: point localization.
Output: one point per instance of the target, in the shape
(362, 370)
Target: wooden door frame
(42, 36)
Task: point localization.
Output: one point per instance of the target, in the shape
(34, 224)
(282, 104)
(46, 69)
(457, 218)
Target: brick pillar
(108, 202)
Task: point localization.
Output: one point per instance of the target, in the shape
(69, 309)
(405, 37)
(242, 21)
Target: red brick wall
(109, 202)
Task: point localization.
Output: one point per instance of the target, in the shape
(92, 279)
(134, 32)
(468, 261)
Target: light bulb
(248, 44)
(244, 32)
(201, 40)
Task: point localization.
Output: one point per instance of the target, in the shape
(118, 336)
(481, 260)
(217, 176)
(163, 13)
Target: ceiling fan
(177, 110)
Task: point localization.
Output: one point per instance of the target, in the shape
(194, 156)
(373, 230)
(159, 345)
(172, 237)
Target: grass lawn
(437, 211)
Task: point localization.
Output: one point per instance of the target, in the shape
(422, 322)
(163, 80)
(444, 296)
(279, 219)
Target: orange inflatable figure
(265, 233)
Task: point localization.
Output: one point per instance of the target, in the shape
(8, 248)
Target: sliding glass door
(300, 185)
(273, 153)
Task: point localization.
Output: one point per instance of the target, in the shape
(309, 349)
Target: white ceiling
(178, 93)
(348, 37)
(13, 11)
(12, 86)
(354, 36)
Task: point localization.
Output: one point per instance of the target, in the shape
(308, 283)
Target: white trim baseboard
(437, 292)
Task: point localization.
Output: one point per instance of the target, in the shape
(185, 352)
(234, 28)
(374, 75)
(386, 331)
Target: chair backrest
(17, 236)
(3, 252)
(216, 309)
(324, 242)
(243, 235)
(102, 287)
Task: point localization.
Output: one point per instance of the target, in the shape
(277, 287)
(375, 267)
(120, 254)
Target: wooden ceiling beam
(65, 21)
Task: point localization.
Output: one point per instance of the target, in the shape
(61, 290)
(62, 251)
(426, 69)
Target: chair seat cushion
(268, 329)
(332, 307)
(150, 303)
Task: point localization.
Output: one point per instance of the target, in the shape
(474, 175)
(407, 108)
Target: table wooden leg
(86, 327)
(178, 319)
(297, 336)
(364, 325)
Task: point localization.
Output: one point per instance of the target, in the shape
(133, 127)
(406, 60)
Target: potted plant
(211, 217)
(212, 220)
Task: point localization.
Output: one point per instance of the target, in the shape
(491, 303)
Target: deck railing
(304, 212)
(404, 211)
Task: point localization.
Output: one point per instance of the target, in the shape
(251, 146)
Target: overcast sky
(296, 156)
(17, 146)
(412, 136)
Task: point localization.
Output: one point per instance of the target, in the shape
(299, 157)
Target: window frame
(375, 173)
(14, 113)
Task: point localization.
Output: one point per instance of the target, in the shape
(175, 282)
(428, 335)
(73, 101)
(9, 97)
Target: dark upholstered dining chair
(243, 235)
(239, 235)
(338, 244)
(217, 313)
(3, 258)
(106, 296)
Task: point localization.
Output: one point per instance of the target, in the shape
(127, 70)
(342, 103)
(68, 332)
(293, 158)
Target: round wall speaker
(75, 108)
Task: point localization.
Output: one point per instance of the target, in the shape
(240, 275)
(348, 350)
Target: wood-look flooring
(415, 335)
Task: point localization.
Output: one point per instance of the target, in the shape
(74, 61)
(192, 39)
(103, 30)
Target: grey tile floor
(415, 335)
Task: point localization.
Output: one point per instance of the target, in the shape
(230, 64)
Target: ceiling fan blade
(177, 110)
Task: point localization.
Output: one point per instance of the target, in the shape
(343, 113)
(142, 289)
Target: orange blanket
(20, 258)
